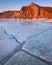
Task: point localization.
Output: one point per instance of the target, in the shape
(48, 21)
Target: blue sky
(17, 4)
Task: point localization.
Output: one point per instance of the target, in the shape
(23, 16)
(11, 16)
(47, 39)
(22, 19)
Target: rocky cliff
(32, 11)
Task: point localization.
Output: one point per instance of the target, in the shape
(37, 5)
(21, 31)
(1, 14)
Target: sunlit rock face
(9, 14)
(45, 12)
(32, 11)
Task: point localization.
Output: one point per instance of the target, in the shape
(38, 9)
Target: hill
(32, 11)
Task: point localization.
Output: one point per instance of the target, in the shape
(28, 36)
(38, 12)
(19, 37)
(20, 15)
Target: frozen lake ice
(34, 37)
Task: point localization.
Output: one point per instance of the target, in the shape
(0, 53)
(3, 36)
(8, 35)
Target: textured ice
(34, 35)
(40, 45)
(22, 29)
(22, 58)
(7, 43)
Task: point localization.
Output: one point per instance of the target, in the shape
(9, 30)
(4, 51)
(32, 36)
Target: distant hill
(32, 11)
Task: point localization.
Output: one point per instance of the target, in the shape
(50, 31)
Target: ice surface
(23, 29)
(7, 43)
(34, 35)
(22, 58)
(40, 45)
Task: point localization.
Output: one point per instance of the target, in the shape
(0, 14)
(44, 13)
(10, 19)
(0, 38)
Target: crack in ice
(18, 48)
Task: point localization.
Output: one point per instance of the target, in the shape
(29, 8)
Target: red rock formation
(9, 14)
(32, 11)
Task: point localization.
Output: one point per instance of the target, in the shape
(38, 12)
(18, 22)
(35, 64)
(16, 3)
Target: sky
(17, 4)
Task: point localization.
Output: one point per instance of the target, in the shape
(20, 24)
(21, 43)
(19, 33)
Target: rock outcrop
(32, 11)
